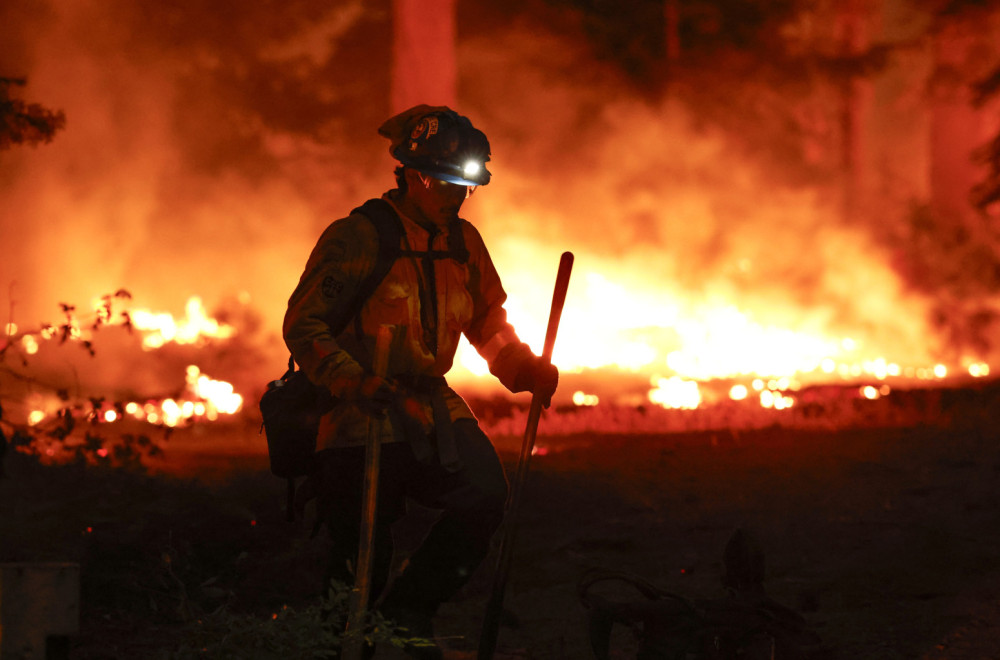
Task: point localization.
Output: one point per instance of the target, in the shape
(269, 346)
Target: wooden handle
(494, 606)
(383, 338)
(354, 634)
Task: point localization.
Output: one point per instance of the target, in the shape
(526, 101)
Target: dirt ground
(885, 540)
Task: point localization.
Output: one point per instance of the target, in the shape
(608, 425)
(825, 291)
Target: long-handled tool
(494, 607)
(354, 633)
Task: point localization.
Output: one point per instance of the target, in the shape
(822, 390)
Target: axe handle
(494, 606)
(354, 634)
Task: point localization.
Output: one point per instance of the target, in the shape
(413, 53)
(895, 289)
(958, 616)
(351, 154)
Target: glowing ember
(218, 395)
(979, 370)
(205, 398)
(870, 392)
(776, 400)
(30, 344)
(675, 392)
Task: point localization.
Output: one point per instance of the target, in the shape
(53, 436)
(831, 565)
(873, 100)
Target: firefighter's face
(438, 200)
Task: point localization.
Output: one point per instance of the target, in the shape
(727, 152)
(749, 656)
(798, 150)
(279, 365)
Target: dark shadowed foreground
(885, 540)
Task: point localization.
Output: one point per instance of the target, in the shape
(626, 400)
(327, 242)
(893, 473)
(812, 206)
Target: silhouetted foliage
(25, 123)
(53, 436)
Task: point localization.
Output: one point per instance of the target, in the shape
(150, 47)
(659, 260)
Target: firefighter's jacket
(462, 298)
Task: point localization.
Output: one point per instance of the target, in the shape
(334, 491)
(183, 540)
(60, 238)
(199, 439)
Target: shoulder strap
(390, 231)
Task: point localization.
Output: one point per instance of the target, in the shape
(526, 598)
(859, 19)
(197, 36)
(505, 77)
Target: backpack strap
(390, 231)
(389, 228)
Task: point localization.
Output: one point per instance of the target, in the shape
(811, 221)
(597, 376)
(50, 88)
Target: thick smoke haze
(208, 144)
(188, 165)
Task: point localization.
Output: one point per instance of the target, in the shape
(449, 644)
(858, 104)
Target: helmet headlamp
(471, 168)
(440, 143)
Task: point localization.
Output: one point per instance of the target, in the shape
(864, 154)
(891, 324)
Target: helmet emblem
(428, 125)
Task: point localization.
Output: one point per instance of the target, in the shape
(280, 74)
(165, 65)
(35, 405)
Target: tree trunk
(424, 68)
(956, 126)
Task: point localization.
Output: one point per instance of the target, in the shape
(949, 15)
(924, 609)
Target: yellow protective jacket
(469, 300)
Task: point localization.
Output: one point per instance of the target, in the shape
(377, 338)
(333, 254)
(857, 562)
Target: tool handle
(380, 363)
(494, 606)
(354, 634)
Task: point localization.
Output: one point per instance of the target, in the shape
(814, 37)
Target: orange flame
(679, 345)
(204, 398)
(160, 328)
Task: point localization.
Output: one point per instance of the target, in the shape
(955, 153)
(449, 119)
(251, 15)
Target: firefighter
(441, 284)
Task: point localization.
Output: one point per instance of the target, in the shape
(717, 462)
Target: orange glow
(219, 396)
(776, 400)
(636, 324)
(675, 392)
(979, 370)
(870, 392)
(160, 328)
(697, 260)
(637, 330)
(204, 398)
(157, 328)
(30, 344)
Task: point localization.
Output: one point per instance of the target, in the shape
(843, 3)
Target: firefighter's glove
(538, 376)
(374, 394)
(411, 406)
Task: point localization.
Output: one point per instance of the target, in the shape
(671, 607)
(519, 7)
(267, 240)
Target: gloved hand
(538, 376)
(410, 406)
(372, 394)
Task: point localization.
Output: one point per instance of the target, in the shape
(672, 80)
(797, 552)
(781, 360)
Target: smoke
(202, 156)
(670, 208)
(208, 144)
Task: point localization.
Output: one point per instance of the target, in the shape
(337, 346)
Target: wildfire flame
(160, 328)
(645, 332)
(204, 398)
(650, 187)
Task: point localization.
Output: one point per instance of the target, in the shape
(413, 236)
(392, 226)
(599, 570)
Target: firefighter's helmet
(439, 142)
